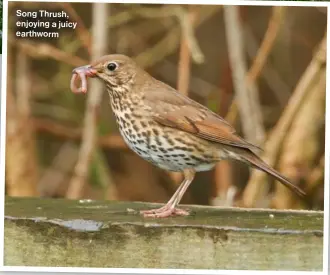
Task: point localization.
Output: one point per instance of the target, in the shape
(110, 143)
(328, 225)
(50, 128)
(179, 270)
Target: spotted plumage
(167, 128)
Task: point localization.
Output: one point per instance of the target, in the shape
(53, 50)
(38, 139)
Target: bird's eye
(112, 66)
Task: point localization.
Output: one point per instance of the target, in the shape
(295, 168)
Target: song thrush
(167, 128)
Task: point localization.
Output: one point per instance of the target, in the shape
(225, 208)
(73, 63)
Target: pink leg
(168, 204)
(170, 209)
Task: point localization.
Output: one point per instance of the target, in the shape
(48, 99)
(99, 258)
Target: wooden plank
(56, 232)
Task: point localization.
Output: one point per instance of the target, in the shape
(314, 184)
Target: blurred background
(56, 146)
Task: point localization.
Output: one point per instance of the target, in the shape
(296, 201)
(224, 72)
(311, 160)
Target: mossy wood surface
(56, 232)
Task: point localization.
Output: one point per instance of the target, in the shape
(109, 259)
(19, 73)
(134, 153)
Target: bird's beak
(83, 72)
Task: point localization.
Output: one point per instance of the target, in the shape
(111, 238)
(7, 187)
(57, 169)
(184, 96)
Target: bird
(167, 128)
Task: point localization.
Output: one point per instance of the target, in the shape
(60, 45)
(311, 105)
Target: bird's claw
(164, 212)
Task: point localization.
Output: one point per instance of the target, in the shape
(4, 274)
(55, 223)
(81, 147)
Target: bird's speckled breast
(165, 147)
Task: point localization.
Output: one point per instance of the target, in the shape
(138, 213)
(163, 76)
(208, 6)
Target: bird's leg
(168, 204)
(169, 209)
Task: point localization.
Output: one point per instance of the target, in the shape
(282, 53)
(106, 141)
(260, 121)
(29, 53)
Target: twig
(169, 43)
(120, 19)
(124, 17)
(223, 175)
(22, 178)
(184, 56)
(135, 37)
(187, 20)
(248, 103)
(228, 198)
(251, 78)
(11, 108)
(105, 176)
(42, 50)
(305, 132)
(255, 70)
(198, 86)
(59, 169)
(316, 175)
(23, 85)
(55, 112)
(184, 65)
(46, 125)
(223, 172)
(281, 89)
(267, 43)
(257, 186)
(164, 11)
(77, 183)
(82, 32)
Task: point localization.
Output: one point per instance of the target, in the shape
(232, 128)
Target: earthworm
(83, 72)
(82, 76)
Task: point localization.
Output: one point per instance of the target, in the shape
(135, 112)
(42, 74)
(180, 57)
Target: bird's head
(115, 70)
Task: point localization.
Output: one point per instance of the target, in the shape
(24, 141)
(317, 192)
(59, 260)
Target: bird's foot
(164, 212)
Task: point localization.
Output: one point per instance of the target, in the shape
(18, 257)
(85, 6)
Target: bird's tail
(261, 165)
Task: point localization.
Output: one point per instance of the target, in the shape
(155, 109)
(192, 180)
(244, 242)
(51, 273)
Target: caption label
(42, 23)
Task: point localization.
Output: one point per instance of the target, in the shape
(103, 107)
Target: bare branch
(46, 125)
(82, 32)
(281, 89)
(184, 64)
(247, 98)
(185, 54)
(259, 63)
(305, 132)
(77, 183)
(21, 178)
(257, 186)
(316, 176)
(267, 43)
(59, 170)
(187, 20)
(42, 50)
(23, 85)
(170, 42)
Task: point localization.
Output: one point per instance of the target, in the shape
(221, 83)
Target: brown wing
(173, 109)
